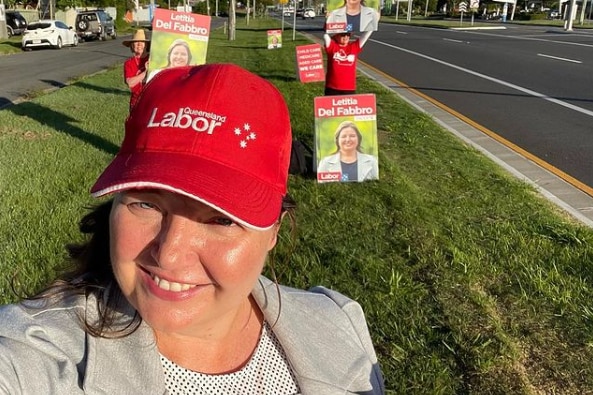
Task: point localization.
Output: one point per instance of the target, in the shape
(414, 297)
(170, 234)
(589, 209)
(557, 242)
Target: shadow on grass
(54, 83)
(5, 102)
(100, 89)
(14, 44)
(278, 77)
(62, 123)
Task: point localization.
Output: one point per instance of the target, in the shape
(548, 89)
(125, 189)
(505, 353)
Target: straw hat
(139, 36)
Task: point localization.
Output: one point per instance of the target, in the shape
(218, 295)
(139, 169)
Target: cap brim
(243, 198)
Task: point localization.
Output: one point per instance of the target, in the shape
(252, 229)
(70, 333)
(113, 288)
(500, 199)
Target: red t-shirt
(132, 67)
(341, 65)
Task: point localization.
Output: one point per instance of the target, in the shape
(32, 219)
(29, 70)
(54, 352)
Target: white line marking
(527, 38)
(557, 58)
(530, 38)
(400, 32)
(450, 39)
(492, 79)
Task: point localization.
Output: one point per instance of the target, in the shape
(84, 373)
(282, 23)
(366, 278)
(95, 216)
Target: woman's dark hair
(342, 126)
(362, 2)
(91, 273)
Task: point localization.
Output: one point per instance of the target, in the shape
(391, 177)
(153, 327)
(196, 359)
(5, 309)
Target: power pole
(232, 19)
(570, 14)
(3, 31)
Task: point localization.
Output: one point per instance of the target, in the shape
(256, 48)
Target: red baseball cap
(216, 133)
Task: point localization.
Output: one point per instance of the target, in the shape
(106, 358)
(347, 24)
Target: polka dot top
(266, 373)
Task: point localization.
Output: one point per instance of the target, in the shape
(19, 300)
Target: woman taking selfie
(166, 296)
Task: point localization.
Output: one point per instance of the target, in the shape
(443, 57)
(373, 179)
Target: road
(34, 71)
(529, 85)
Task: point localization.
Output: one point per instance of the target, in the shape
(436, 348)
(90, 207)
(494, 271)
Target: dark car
(16, 23)
(96, 24)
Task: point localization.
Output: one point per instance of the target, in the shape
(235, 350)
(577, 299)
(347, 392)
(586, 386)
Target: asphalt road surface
(532, 86)
(34, 71)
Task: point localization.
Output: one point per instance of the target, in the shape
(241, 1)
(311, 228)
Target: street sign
(463, 6)
(474, 4)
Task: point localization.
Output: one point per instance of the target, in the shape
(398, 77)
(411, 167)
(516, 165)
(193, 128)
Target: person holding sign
(166, 295)
(342, 56)
(357, 16)
(135, 66)
(348, 159)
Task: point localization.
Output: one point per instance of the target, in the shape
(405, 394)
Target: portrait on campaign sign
(274, 39)
(178, 39)
(352, 16)
(346, 138)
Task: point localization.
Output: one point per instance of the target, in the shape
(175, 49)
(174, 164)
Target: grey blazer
(44, 351)
(368, 167)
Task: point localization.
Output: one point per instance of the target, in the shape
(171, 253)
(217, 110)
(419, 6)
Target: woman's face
(138, 47)
(179, 56)
(183, 265)
(343, 39)
(348, 140)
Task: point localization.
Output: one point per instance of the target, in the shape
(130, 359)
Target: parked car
(48, 33)
(15, 23)
(553, 14)
(308, 13)
(96, 24)
(288, 12)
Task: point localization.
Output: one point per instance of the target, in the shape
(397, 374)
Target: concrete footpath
(552, 186)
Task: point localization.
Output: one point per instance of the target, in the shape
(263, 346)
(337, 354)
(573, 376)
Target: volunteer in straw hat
(167, 295)
(135, 67)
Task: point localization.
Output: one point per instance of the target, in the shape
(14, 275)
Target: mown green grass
(471, 282)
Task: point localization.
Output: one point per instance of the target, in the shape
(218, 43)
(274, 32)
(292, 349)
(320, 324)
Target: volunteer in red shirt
(342, 55)
(135, 67)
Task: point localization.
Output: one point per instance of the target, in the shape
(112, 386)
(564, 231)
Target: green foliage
(471, 282)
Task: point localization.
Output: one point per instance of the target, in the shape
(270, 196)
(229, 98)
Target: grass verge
(471, 282)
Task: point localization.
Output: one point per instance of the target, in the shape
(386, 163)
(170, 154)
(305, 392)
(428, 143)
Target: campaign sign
(310, 63)
(346, 138)
(357, 16)
(274, 39)
(178, 39)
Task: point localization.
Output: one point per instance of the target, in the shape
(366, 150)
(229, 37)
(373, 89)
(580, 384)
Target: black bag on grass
(301, 158)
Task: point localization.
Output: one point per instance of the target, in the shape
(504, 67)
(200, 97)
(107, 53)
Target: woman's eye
(224, 221)
(143, 206)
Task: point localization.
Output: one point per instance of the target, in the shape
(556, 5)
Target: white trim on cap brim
(142, 184)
